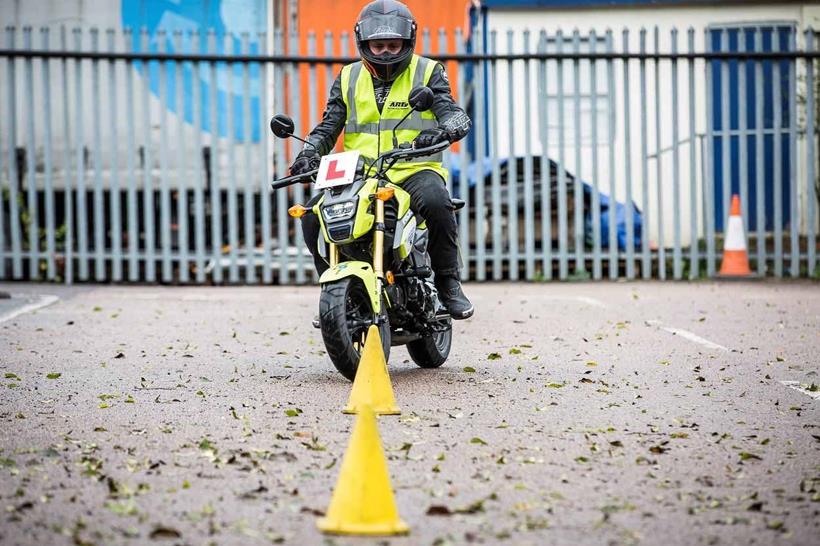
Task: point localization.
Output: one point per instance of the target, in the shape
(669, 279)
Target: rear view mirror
(281, 126)
(421, 99)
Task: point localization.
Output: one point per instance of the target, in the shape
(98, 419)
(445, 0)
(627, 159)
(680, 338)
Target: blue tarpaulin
(606, 218)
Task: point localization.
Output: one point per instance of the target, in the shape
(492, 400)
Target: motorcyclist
(364, 102)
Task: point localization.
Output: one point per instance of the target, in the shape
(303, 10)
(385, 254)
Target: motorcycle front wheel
(345, 314)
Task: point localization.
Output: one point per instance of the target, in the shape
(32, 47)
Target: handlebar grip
(289, 180)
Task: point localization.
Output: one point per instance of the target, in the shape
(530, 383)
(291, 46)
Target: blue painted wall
(229, 18)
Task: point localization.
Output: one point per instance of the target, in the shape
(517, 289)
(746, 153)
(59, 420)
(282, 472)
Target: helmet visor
(385, 27)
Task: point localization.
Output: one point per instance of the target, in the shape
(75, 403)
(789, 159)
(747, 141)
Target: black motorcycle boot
(453, 298)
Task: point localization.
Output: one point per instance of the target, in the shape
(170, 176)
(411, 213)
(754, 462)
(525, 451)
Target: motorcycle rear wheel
(343, 306)
(431, 351)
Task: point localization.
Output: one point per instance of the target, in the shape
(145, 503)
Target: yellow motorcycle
(377, 250)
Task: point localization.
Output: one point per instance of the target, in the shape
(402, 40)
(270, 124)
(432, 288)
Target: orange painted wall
(320, 16)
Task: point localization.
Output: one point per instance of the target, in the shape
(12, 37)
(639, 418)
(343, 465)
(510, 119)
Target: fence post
(478, 156)
(249, 207)
(230, 48)
(563, 235)
(282, 218)
(68, 191)
(296, 109)
(694, 265)
(463, 182)
(677, 258)
(613, 241)
(794, 209)
(198, 159)
(215, 182)
(51, 250)
(498, 243)
(96, 154)
(14, 211)
(811, 192)
(265, 191)
(133, 234)
(630, 220)
(529, 228)
(31, 166)
(546, 168)
(646, 252)
(778, 157)
(659, 161)
(113, 142)
(596, 188)
(512, 170)
(183, 176)
(709, 180)
(760, 209)
(578, 192)
(743, 137)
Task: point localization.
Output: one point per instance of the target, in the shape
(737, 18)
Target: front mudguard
(363, 271)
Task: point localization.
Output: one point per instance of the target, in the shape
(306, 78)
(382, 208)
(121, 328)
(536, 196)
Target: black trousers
(430, 200)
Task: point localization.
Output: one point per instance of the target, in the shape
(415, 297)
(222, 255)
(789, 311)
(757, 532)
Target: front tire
(431, 351)
(344, 316)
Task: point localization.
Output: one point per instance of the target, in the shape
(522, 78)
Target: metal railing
(148, 159)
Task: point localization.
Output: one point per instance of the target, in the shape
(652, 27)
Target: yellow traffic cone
(372, 383)
(363, 503)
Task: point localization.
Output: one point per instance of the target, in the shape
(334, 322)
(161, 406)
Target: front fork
(382, 194)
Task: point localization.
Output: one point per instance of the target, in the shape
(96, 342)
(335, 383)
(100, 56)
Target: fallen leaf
(438, 510)
(164, 533)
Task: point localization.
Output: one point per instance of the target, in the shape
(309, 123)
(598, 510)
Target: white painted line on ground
(586, 300)
(591, 301)
(215, 297)
(686, 334)
(796, 385)
(43, 301)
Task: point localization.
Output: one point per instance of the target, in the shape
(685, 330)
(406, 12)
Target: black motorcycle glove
(307, 160)
(430, 137)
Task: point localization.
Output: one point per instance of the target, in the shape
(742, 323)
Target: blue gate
(752, 120)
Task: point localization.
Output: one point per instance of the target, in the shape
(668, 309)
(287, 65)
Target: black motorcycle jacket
(451, 118)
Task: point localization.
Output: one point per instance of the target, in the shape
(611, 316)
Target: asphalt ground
(610, 413)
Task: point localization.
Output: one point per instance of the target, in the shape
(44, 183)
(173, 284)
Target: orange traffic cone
(735, 258)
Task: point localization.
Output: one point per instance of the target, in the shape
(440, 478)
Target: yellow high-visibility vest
(371, 133)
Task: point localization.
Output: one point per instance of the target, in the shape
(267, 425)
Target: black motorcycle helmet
(386, 20)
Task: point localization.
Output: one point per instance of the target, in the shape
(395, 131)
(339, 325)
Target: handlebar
(288, 180)
(404, 151)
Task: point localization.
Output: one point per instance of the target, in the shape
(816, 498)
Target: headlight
(339, 211)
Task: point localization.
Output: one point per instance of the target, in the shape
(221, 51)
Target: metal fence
(130, 157)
